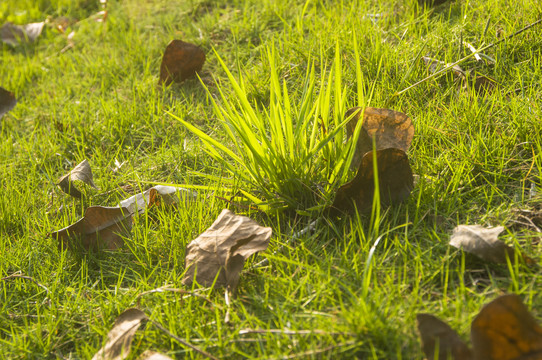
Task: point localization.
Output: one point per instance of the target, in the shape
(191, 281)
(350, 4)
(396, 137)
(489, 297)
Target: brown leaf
(181, 61)
(81, 172)
(394, 178)
(435, 65)
(505, 330)
(153, 355)
(15, 34)
(483, 242)
(7, 101)
(119, 339)
(220, 252)
(388, 129)
(100, 228)
(435, 333)
(159, 194)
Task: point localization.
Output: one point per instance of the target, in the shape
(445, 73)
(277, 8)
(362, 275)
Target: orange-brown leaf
(436, 334)
(181, 61)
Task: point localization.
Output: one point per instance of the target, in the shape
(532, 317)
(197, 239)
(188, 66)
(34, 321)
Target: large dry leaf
(220, 252)
(505, 330)
(483, 242)
(7, 101)
(394, 178)
(436, 334)
(159, 194)
(100, 228)
(387, 128)
(119, 339)
(81, 172)
(15, 34)
(181, 61)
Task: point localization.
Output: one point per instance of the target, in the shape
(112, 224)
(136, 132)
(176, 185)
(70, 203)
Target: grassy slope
(476, 156)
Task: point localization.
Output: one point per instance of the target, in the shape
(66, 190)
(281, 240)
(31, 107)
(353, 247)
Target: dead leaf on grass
(159, 194)
(153, 355)
(7, 101)
(436, 334)
(181, 61)
(483, 243)
(394, 178)
(16, 34)
(387, 128)
(100, 228)
(119, 339)
(83, 173)
(220, 252)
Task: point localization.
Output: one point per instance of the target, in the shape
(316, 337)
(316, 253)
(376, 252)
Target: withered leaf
(395, 182)
(181, 61)
(100, 228)
(159, 194)
(119, 339)
(82, 172)
(387, 128)
(434, 65)
(505, 330)
(15, 34)
(436, 334)
(7, 101)
(483, 242)
(220, 252)
(153, 355)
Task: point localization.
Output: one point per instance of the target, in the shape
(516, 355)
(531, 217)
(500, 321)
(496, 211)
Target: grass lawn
(349, 288)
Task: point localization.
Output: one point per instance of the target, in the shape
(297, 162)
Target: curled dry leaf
(181, 61)
(82, 172)
(153, 355)
(220, 252)
(119, 339)
(100, 228)
(395, 182)
(436, 334)
(483, 242)
(15, 34)
(505, 330)
(159, 194)
(387, 128)
(7, 101)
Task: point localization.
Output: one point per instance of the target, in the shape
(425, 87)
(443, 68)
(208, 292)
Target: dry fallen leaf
(7, 101)
(181, 61)
(153, 355)
(159, 194)
(15, 34)
(100, 228)
(483, 242)
(220, 252)
(436, 334)
(81, 172)
(119, 339)
(505, 330)
(387, 128)
(394, 178)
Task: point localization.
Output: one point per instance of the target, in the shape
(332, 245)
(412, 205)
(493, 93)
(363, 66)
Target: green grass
(357, 282)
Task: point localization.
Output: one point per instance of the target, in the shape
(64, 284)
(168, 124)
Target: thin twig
(290, 332)
(442, 71)
(21, 276)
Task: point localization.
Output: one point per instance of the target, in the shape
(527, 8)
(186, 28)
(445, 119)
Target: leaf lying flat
(159, 194)
(220, 252)
(436, 334)
(82, 172)
(505, 330)
(15, 34)
(181, 61)
(119, 339)
(483, 242)
(7, 101)
(100, 228)
(395, 181)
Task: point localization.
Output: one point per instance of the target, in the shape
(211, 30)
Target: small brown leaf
(82, 172)
(181, 61)
(15, 34)
(119, 339)
(101, 227)
(159, 194)
(394, 178)
(388, 129)
(153, 355)
(435, 333)
(7, 101)
(220, 252)
(505, 330)
(483, 242)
